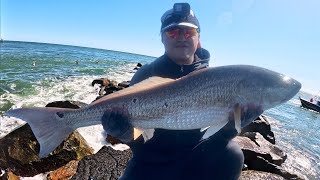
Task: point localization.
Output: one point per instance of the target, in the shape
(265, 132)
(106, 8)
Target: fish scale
(207, 98)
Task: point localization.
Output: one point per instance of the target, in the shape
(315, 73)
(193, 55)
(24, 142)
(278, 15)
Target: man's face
(180, 44)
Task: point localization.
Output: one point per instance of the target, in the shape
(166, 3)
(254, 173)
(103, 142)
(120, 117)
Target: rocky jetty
(74, 159)
(262, 154)
(19, 150)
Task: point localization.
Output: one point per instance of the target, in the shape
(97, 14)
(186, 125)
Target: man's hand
(116, 123)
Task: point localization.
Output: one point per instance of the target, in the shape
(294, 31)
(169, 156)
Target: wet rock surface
(262, 126)
(19, 153)
(64, 172)
(261, 154)
(19, 149)
(67, 104)
(254, 142)
(255, 175)
(105, 164)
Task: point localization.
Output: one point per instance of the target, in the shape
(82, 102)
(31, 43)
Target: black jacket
(168, 144)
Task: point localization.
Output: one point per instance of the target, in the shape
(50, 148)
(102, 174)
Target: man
(177, 154)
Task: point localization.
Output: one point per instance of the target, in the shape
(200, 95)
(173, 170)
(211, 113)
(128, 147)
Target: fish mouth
(285, 93)
(292, 84)
(294, 88)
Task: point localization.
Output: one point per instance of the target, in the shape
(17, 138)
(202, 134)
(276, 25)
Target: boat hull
(309, 105)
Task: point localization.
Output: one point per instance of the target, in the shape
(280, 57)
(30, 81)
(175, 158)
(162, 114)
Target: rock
(261, 164)
(104, 84)
(108, 86)
(18, 147)
(9, 176)
(261, 155)
(137, 66)
(258, 146)
(19, 150)
(112, 140)
(101, 82)
(124, 84)
(67, 104)
(262, 126)
(65, 172)
(112, 89)
(249, 175)
(107, 163)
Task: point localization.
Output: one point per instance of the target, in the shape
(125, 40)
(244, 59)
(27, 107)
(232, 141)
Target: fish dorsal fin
(149, 83)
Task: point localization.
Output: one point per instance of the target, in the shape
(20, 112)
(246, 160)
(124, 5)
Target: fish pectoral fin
(147, 134)
(205, 128)
(213, 129)
(237, 118)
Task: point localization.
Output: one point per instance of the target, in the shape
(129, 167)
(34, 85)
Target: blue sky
(280, 35)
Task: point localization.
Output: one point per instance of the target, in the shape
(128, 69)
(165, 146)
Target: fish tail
(46, 125)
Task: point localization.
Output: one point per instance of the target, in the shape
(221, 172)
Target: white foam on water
(297, 159)
(96, 138)
(73, 88)
(76, 88)
(2, 173)
(7, 125)
(295, 101)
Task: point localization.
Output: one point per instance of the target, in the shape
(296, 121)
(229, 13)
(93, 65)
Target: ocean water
(34, 74)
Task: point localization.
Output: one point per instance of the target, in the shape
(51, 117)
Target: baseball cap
(179, 15)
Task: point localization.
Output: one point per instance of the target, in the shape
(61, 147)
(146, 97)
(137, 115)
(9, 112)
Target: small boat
(310, 105)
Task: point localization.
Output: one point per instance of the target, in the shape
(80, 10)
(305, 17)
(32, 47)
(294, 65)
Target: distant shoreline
(2, 40)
